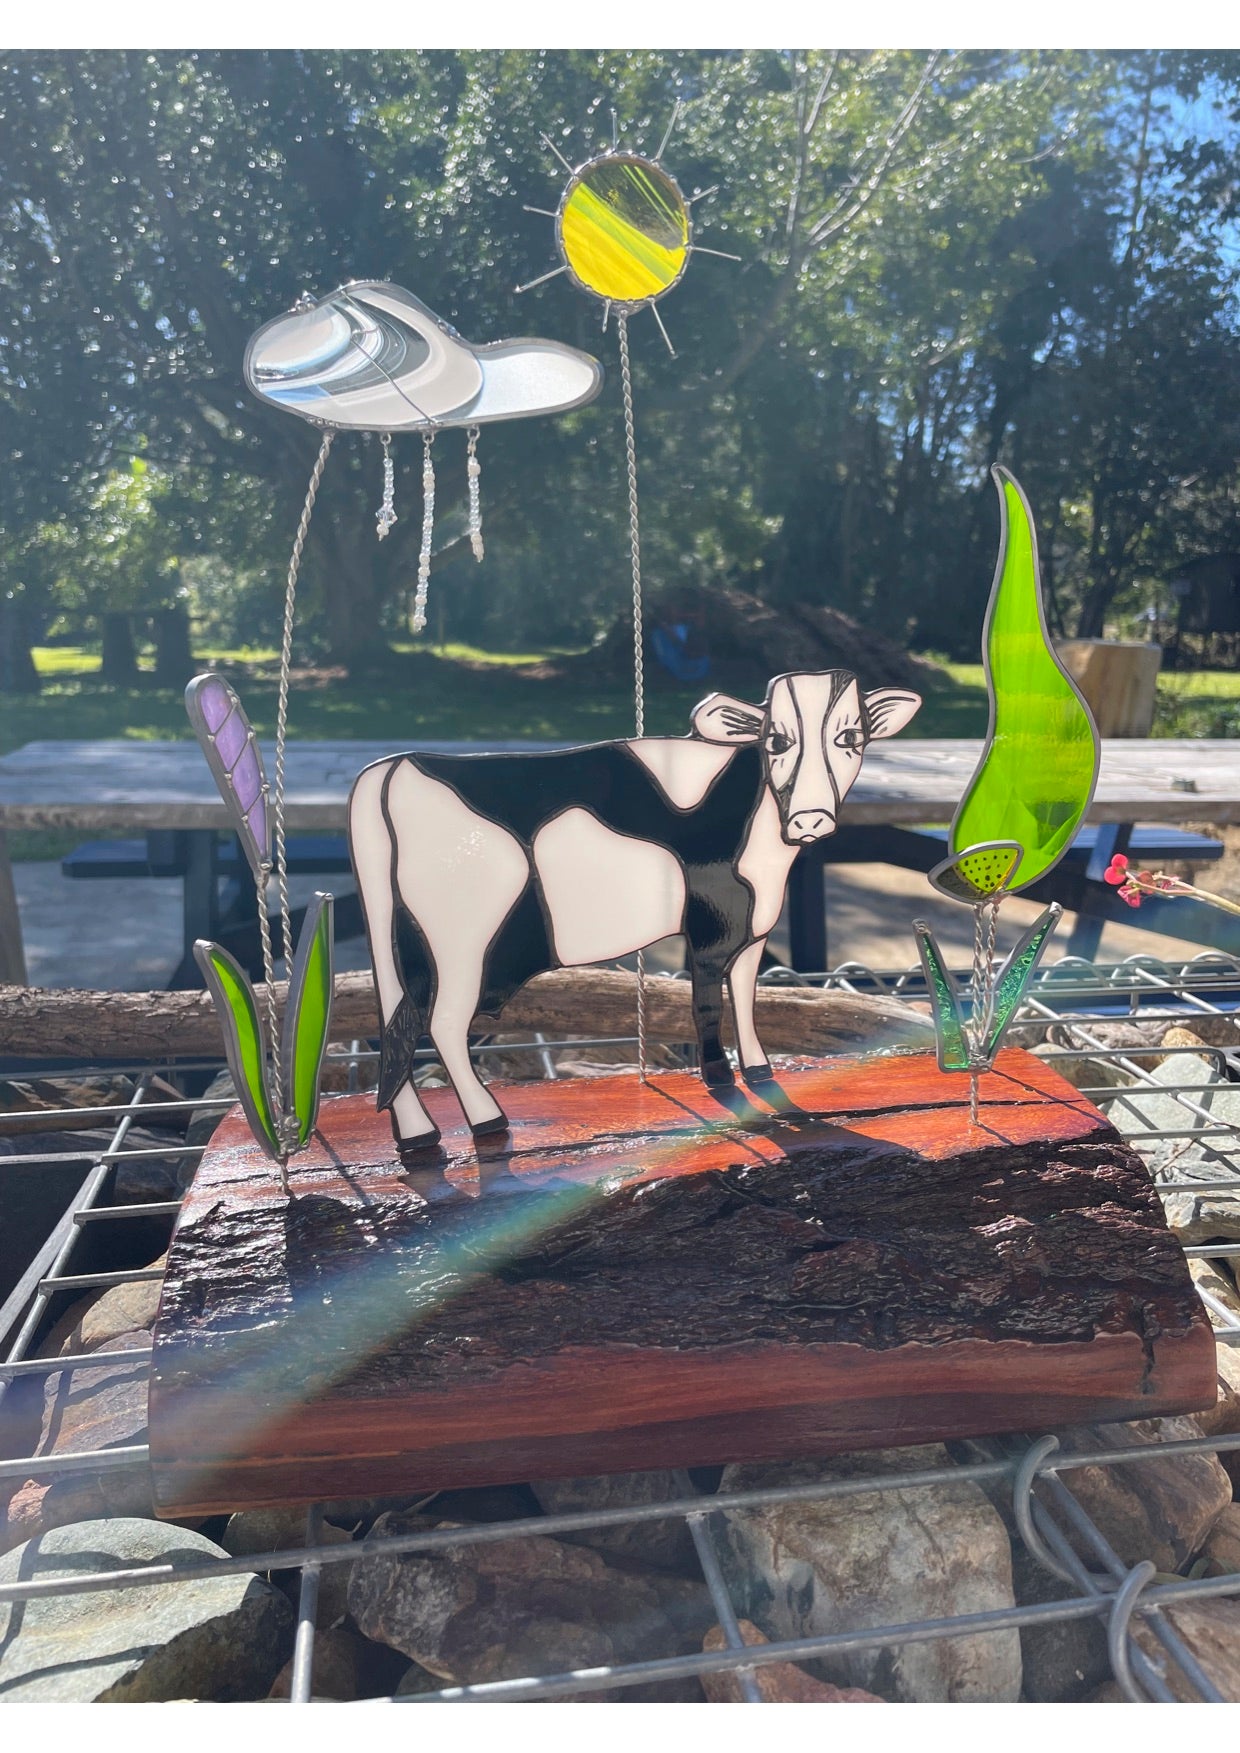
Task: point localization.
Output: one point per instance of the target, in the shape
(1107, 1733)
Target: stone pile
(469, 1614)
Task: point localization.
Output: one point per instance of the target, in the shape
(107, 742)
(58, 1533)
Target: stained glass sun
(623, 230)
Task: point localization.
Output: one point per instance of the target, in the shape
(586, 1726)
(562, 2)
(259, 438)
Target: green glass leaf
(308, 1017)
(1017, 972)
(945, 1002)
(1037, 775)
(233, 996)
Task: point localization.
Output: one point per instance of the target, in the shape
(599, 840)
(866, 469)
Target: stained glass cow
(477, 872)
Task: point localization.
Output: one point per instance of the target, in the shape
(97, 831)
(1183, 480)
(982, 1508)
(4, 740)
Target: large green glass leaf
(945, 1002)
(1037, 775)
(308, 1017)
(1018, 971)
(230, 988)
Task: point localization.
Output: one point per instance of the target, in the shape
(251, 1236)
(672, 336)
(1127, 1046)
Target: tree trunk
(174, 661)
(18, 674)
(563, 1003)
(120, 659)
(1093, 609)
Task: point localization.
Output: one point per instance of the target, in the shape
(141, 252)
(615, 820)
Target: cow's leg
(706, 974)
(460, 875)
(742, 987)
(455, 1005)
(370, 844)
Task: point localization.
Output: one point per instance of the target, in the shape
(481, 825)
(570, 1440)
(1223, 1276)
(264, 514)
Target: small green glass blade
(948, 1020)
(308, 1017)
(233, 996)
(1037, 775)
(1017, 972)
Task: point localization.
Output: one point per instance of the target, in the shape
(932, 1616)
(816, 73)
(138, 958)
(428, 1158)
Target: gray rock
(209, 1638)
(1211, 1629)
(137, 1180)
(1196, 1217)
(809, 1569)
(203, 1122)
(1082, 1072)
(417, 1679)
(85, 1409)
(1162, 1509)
(520, 1606)
(778, 1682)
(1222, 1550)
(336, 1670)
(1065, 1661)
(94, 1323)
(666, 1544)
(100, 1407)
(1223, 1418)
(1217, 1287)
(271, 1530)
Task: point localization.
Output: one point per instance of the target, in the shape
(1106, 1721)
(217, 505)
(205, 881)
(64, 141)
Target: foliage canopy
(947, 260)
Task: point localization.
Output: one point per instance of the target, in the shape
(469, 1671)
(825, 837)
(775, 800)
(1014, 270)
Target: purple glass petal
(247, 779)
(230, 739)
(257, 821)
(215, 702)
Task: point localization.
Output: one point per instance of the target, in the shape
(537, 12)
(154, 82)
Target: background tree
(947, 259)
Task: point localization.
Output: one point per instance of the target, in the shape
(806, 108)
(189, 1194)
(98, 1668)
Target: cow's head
(813, 729)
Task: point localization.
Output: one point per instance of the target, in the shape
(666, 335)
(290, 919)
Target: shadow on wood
(643, 1277)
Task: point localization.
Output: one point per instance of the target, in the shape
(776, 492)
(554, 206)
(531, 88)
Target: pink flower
(1131, 895)
(1117, 871)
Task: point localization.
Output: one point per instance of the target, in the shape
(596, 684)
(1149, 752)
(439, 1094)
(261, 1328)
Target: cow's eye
(853, 737)
(777, 743)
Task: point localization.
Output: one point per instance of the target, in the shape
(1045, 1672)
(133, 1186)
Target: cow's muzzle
(806, 826)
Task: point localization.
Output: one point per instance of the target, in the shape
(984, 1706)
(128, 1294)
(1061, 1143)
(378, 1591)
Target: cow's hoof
(410, 1150)
(718, 1073)
(759, 1074)
(489, 1128)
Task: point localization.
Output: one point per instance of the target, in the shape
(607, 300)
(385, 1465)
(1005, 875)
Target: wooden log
(641, 1276)
(567, 1002)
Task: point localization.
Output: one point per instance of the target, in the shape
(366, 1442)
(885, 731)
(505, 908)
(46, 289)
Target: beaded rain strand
(418, 619)
(473, 468)
(387, 510)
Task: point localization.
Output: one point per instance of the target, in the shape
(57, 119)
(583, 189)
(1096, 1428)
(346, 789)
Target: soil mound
(725, 637)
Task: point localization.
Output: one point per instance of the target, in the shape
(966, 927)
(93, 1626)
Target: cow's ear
(888, 710)
(720, 719)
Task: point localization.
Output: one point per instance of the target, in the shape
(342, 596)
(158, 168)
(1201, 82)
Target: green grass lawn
(462, 693)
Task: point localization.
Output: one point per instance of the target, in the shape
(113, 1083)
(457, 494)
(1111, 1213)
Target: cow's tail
(408, 1024)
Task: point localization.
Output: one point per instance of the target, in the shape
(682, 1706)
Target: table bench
(1076, 882)
(133, 787)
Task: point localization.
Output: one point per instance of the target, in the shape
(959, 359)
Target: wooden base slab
(646, 1277)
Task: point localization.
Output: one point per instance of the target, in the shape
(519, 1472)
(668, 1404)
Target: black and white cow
(477, 872)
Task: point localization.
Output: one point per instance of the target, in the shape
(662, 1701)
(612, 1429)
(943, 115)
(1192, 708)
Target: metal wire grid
(1071, 998)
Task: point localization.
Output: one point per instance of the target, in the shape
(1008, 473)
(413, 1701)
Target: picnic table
(117, 786)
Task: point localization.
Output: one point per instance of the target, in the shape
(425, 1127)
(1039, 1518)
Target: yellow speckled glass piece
(978, 872)
(1037, 776)
(624, 229)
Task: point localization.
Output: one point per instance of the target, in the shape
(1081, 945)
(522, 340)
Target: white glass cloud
(370, 357)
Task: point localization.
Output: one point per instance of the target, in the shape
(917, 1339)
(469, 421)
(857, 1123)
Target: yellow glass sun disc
(623, 227)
